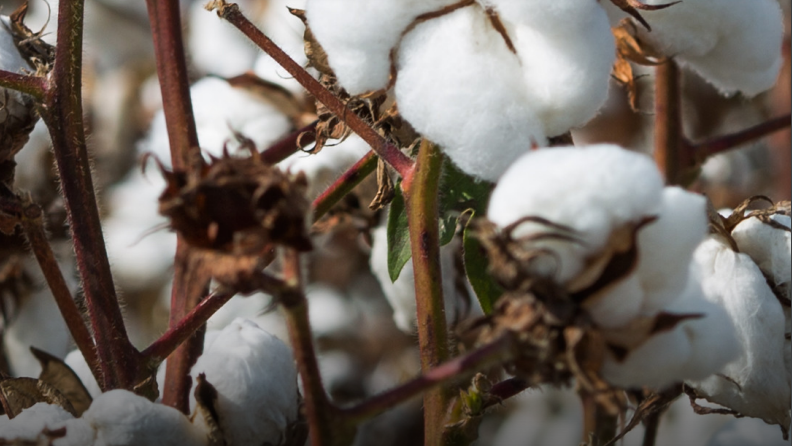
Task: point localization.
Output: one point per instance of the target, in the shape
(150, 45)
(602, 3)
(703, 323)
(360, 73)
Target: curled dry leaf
(632, 6)
(628, 50)
(60, 376)
(18, 394)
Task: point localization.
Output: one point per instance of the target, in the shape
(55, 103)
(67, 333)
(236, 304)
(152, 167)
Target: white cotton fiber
(32, 421)
(770, 248)
(358, 36)
(218, 109)
(461, 87)
(667, 245)
(567, 52)
(593, 190)
(756, 383)
(619, 305)
(256, 382)
(286, 31)
(122, 418)
(733, 44)
(217, 47)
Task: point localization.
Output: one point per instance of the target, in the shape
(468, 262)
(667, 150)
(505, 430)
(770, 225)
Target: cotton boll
(592, 190)
(78, 433)
(619, 305)
(747, 432)
(667, 245)
(756, 383)
(329, 311)
(287, 32)
(460, 86)
(326, 166)
(122, 418)
(358, 36)
(219, 110)
(256, 382)
(566, 61)
(215, 46)
(656, 363)
(769, 247)
(30, 423)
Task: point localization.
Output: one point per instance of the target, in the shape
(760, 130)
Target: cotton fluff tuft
(358, 36)
(122, 418)
(770, 248)
(215, 46)
(460, 86)
(592, 190)
(733, 44)
(756, 384)
(32, 421)
(11, 102)
(219, 110)
(256, 382)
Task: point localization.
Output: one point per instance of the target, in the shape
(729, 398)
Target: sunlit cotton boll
(460, 86)
(256, 382)
(358, 36)
(756, 384)
(733, 44)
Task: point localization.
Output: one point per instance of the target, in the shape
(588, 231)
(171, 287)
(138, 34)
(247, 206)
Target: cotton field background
(596, 279)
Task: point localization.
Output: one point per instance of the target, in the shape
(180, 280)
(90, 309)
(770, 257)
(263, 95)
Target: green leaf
(486, 289)
(398, 235)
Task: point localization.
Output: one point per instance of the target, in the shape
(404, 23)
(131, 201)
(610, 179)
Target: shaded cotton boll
(218, 109)
(747, 432)
(256, 382)
(593, 190)
(12, 103)
(756, 384)
(770, 248)
(617, 307)
(401, 293)
(286, 31)
(326, 166)
(122, 418)
(733, 44)
(567, 52)
(358, 36)
(663, 265)
(460, 86)
(329, 311)
(29, 424)
(215, 46)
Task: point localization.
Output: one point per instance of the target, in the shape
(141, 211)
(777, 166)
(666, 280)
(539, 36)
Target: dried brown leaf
(632, 6)
(60, 376)
(205, 414)
(317, 58)
(652, 403)
(18, 394)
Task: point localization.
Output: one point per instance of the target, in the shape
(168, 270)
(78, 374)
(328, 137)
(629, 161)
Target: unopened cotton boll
(593, 190)
(733, 44)
(221, 109)
(358, 35)
(122, 418)
(256, 382)
(460, 86)
(756, 384)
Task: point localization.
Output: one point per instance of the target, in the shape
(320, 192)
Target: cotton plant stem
(31, 85)
(714, 146)
(63, 114)
(652, 424)
(597, 423)
(670, 145)
(421, 199)
(166, 27)
(344, 185)
(387, 151)
(288, 145)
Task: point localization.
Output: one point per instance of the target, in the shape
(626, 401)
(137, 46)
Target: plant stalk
(671, 150)
(288, 145)
(31, 85)
(344, 185)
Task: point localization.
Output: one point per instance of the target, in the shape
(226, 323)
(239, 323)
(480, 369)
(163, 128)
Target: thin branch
(387, 151)
(705, 149)
(652, 424)
(453, 370)
(505, 390)
(62, 112)
(32, 85)
(671, 151)
(344, 184)
(288, 145)
(421, 199)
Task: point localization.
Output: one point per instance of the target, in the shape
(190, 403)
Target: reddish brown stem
(166, 27)
(32, 85)
(288, 145)
(507, 389)
(705, 149)
(344, 184)
(453, 370)
(421, 199)
(671, 151)
(62, 112)
(387, 151)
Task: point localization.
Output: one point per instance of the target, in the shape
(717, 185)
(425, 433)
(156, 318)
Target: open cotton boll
(122, 418)
(221, 109)
(667, 245)
(756, 384)
(401, 293)
(593, 190)
(215, 46)
(460, 86)
(256, 382)
(656, 363)
(12, 103)
(733, 44)
(769, 247)
(566, 60)
(617, 307)
(326, 166)
(30, 423)
(358, 35)
(747, 432)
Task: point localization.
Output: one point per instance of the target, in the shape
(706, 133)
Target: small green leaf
(398, 235)
(485, 287)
